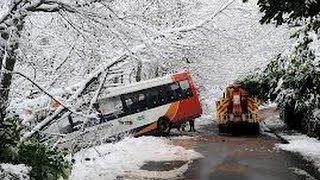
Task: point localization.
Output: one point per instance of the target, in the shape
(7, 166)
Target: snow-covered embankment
(125, 158)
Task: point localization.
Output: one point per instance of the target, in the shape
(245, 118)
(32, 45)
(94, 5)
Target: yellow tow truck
(237, 112)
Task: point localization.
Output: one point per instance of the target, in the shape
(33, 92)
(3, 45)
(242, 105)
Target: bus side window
(142, 100)
(111, 105)
(179, 91)
(163, 97)
(153, 98)
(186, 91)
(136, 102)
(174, 92)
(131, 103)
(110, 108)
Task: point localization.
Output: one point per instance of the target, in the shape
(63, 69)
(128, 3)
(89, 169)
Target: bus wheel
(164, 127)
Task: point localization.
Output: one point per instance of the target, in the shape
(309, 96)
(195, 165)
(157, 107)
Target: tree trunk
(5, 83)
(11, 36)
(139, 71)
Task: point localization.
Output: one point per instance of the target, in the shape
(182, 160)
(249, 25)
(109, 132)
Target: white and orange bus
(154, 105)
(151, 106)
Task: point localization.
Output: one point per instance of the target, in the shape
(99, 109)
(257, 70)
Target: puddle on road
(154, 170)
(162, 165)
(230, 168)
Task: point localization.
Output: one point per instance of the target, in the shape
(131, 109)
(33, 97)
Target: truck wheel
(256, 128)
(164, 127)
(222, 129)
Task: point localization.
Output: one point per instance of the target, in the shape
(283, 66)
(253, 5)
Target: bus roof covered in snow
(142, 85)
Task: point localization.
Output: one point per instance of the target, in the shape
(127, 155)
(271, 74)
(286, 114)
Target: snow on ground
(301, 172)
(10, 171)
(204, 120)
(274, 121)
(308, 147)
(4, 7)
(110, 161)
(268, 105)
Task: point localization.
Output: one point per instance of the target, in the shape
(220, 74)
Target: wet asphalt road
(240, 158)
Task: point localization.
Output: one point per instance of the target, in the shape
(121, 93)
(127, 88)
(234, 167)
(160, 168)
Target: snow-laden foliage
(61, 48)
(58, 50)
(45, 161)
(288, 11)
(57, 43)
(292, 79)
(10, 171)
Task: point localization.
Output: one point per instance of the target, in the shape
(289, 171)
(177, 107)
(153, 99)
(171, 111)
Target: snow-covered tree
(63, 42)
(292, 78)
(11, 25)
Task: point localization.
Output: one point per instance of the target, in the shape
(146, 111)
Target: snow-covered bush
(14, 172)
(292, 80)
(45, 161)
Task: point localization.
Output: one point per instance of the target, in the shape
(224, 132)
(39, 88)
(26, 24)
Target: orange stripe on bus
(172, 111)
(147, 129)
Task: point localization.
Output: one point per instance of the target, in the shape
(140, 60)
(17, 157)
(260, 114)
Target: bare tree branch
(201, 23)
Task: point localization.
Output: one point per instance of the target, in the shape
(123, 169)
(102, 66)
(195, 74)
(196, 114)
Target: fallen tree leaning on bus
(72, 15)
(91, 79)
(292, 79)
